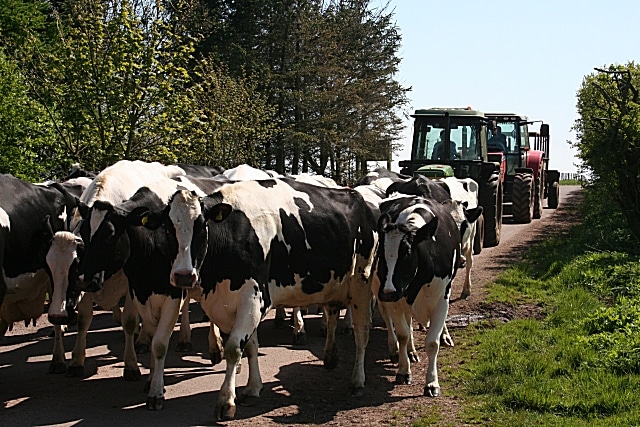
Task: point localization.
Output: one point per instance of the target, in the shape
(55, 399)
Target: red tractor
(528, 180)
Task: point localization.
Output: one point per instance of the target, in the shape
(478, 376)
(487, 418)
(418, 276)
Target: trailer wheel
(554, 195)
(523, 198)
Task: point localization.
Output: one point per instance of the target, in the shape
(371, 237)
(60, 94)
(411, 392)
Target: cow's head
(397, 253)
(186, 232)
(103, 230)
(62, 262)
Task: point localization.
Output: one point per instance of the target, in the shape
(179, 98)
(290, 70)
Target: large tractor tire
(538, 198)
(479, 237)
(523, 196)
(491, 201)
(554, 195)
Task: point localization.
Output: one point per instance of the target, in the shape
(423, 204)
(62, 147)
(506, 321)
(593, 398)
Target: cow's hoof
(215, 357)
(431, 391)
(57, 368)
(331, 362)
(248, 400)
(155, 403)
(224, 412)
(132, 375)
(184, 347)
(413, 357)
(403, 379)
(356, 391)
(142, 348)
(75, 372)
(465, 295)
(394, 358)
(299, 339)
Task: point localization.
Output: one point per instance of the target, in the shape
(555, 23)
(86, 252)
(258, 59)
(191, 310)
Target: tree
(116, 84)
(608, 135)
(26, 137)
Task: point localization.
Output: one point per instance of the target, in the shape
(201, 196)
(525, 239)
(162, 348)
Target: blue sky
(511, 56)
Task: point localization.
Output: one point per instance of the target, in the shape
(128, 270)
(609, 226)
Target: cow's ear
(218, 212)
(383, 222)
(83, 208)
(144, 217)
(473, 214)
(427, 231)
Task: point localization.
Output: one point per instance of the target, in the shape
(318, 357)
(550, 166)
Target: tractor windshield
(430, 142)
(503, 138)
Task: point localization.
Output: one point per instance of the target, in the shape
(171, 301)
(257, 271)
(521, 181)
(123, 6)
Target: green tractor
(453, 142)
(528, 180)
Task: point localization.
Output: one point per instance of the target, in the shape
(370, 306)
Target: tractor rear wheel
(554, 195)
(491, 201)
(523, 195)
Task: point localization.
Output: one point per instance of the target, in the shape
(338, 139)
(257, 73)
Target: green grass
(580, 365)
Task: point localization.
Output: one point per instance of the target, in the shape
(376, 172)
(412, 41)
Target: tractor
(453, 142)
(528, 180)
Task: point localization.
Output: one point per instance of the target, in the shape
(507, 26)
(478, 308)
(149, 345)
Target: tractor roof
(507, 117)
(453, 112)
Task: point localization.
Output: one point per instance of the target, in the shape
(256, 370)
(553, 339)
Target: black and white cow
(29, 214)
(419, 248)
(146, 257)
(466, 212)
(113, 185)
(282, 243)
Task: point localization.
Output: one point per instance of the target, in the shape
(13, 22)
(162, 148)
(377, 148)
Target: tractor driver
(438, 152)
(498, 142)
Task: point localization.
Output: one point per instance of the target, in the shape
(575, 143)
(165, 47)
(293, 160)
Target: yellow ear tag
(144, 220)
(219, 217)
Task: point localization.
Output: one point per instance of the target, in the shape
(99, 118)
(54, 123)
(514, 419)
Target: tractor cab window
(466, 139)
(430, 142)
(503, 138)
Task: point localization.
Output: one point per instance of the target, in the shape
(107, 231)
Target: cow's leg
(392, 339)
(78, 354)
(432, 345)
(143, 342)
(361, 296)
(346, 327)
(330, 314)
(299, 334)
(466, 288)
(402, 322)
(129, 326)
(169, 313)
(184, 337)
(251, 393)
(280, 320)
(245, 324)
(116, 314)
(58, 362)
(445, 337)
(216, 351)
(412, 353)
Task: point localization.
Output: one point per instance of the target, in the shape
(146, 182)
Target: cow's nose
(184, 279)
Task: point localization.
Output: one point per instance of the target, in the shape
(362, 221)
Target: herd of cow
(240, 241)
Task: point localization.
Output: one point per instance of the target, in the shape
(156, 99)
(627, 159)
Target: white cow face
(398, 257)
(62, 261)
